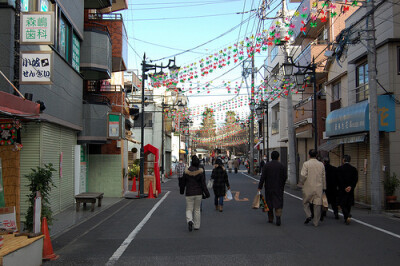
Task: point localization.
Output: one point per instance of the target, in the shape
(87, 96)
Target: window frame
(336, 96)
(362, 89)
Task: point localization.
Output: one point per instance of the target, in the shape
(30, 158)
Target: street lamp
(145, 68)
(300, 78)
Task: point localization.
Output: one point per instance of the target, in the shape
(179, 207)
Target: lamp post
(259, 112)
(300, 77)
(145, 68)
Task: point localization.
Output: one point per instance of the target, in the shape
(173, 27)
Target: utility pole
(17, 33)
(291, 135)
(252, 106)
(375, 161)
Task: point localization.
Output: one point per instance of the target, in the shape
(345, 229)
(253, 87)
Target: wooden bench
(88, 197)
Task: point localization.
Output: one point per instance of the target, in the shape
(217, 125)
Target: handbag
(229, 194)
(210, 183)
(256, 201)
(324, 202)
(263, 204)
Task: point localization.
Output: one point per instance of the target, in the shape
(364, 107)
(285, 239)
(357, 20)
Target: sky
(164, 29)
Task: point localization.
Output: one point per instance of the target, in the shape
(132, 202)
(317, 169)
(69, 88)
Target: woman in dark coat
(194, 183)
(221, 181)
(274, 176)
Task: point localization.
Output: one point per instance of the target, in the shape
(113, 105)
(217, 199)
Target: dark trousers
(346, 208)
(236, 170)
(278, 213)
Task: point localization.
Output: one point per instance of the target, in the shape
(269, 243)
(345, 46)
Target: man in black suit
(347, 181)
(331, 186)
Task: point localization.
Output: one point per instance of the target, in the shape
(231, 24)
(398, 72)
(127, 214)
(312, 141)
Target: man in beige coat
(312, 180)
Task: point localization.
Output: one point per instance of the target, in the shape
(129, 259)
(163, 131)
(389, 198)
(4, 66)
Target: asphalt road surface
(154, 232)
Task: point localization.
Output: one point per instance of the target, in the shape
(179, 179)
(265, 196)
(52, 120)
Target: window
(274, 53)
(148, 120)
(63, 43)
(44, 6)
(362, 90)
(36, 5)
(336, 93)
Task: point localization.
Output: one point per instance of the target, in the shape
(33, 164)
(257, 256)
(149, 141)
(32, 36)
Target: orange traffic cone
(48, 253)
(151, 195)
(133, 189)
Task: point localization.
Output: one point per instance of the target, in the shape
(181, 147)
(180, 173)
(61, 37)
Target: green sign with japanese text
(37, 28)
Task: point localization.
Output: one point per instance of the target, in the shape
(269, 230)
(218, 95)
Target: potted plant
(390, 184)
(40, 179)
(134, 171)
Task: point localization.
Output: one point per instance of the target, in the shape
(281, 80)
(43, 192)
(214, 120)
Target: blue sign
(355, 118)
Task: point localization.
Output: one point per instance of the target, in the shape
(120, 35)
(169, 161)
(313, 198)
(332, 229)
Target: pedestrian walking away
(274, 176)
(221, 181)
(263, 162)
(313, 181)
(331, 186)
(194, 183)
(347, 179)
(180, 169)
(236, 164)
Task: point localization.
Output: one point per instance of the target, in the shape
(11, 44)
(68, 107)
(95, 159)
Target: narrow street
(154, 232)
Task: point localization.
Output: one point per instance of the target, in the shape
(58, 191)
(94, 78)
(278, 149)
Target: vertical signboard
(114, 126)
(76, 48)
(37, 28)
(36, 67)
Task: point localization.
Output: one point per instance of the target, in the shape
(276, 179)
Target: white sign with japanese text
(37, 28)
(36, 67)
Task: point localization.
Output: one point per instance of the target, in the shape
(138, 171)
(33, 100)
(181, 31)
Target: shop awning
(334, 142)
(355, 118)
(16, 106)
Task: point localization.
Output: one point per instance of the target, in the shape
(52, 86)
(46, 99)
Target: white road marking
(118, 253)
(355, 220)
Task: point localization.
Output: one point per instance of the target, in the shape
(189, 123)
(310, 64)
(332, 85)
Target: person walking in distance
(263, 162)
(274, 176)
(194, 183)
(180, 169)
(221, 181)
(331, 186)
(347, 179)
(313, 181)
(236, 164)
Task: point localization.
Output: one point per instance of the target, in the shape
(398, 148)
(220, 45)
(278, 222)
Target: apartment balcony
(119, 39)
(310, 52)
(312, 31)
(95, 110)
(117, 5)
(115, 95)
(96, 52)
(303, 111)
(97, 4)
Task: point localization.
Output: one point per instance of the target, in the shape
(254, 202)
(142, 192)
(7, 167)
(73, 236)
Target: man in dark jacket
(347, 181)
(331, 186)
(274, 175)
(194, 183)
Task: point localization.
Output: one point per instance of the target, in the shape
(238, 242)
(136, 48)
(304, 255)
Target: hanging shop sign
(115, 126)
(36, 67)
(37, 28)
